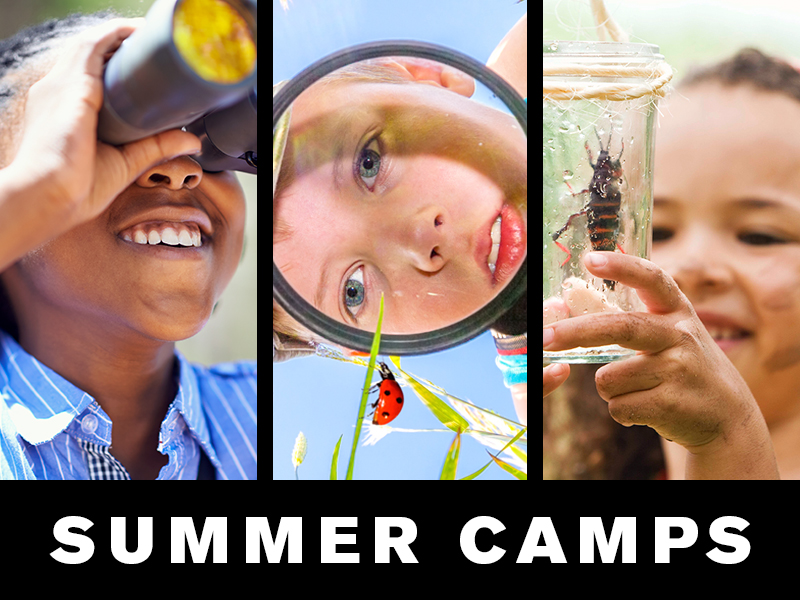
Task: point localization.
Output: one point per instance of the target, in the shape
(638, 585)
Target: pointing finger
(653, 285)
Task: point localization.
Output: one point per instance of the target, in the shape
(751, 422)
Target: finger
(92, 46)
(635, 374)
(150, 151)
(122, 165)
(637, 331)
(635, 408)
(653, 285)
(553, 376)
(554, 309)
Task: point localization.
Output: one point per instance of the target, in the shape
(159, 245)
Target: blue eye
(354, 295)
(369, 164)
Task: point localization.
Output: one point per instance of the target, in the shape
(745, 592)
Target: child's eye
(354, 293)
(368, 164)
(760, 239)
(661, 234)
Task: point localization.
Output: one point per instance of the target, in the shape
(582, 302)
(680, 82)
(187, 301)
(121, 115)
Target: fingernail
(548, 335)
(191, 152)
(596, 259)
(557, 370)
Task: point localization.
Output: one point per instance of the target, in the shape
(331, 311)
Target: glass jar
(599, 107)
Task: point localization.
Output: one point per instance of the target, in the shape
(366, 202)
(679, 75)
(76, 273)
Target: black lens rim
(394, 344)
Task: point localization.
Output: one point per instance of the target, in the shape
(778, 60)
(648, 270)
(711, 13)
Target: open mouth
(501, 245)
(165, 230)
(723, 334)
(164, 233)
(725, 330)
(728, 338)
(167, 240)
(512, 244)
(496, 235)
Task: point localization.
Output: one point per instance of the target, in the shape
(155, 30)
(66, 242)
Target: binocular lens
(215, 40)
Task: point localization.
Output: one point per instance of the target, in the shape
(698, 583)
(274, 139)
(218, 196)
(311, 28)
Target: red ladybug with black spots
(390, 397)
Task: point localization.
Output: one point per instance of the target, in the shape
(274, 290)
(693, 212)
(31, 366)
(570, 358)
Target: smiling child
(726, 230)
(109, 255)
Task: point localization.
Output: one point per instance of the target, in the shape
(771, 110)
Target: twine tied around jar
(658, 76)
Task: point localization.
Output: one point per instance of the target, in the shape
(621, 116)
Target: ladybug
(390, 398)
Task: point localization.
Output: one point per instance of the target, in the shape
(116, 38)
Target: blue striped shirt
(50, 429)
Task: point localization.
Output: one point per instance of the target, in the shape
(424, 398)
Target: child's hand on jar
(680, 382)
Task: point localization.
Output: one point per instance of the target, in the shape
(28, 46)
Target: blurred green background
(688, 33)
(231, 333)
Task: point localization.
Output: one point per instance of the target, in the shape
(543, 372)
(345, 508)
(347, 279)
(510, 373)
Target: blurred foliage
(21, 13)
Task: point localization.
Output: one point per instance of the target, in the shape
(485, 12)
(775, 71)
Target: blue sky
(320, 396)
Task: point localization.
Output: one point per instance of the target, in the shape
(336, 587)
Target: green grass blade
(509, 468)
(451, 460)
(335, 460)
(510, 445)
(362, 409)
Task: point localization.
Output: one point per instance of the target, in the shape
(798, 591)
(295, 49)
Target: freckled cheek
(776, 286)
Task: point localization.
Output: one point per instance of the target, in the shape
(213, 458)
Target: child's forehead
(738, 119)
(728, 142)
(744, 102)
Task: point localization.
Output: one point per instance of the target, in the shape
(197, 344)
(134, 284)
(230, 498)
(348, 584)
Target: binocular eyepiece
(193, 65)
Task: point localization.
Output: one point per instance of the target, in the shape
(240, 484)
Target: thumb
(150, 151)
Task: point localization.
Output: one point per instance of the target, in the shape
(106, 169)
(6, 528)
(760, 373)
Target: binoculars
(193, 65)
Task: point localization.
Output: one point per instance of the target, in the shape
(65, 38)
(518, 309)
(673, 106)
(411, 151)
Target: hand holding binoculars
(193, 65)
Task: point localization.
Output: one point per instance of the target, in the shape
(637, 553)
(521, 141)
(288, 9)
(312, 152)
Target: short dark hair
(751, 67)
(38, 39)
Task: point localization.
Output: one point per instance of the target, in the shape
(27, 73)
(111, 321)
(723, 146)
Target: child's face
(90, 279)
(726, 226)
(396, 188)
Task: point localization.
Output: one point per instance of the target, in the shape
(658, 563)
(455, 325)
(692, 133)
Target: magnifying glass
(400, 168)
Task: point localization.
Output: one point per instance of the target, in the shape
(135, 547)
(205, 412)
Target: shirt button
(89, 424)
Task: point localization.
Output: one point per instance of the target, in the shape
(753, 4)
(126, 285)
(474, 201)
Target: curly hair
(750, 67)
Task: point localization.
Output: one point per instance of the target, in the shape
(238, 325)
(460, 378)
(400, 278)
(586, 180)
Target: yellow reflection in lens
(214, 40)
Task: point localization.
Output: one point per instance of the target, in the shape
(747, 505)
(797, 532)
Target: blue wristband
(514, 368)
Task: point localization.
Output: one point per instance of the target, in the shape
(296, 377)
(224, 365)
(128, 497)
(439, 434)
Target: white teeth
(173, 234)
(725, 334)
(496, 230)
(169, 236)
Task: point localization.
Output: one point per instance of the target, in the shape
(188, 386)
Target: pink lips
(513, 244)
